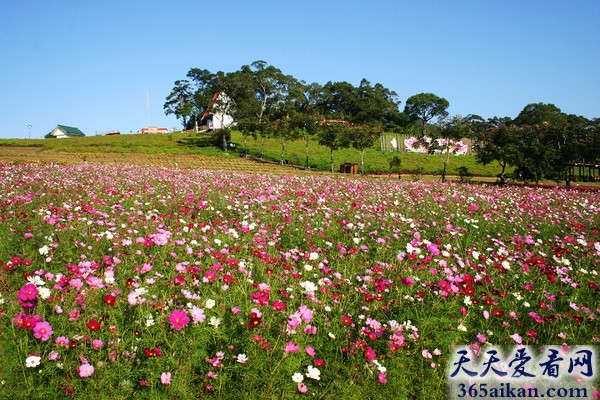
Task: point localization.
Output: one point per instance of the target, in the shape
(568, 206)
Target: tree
(239, 85)
(396, 166)
(452, 130)
(361, 138)
(271, 88)
(332, 135)
(424, 107)
(491, 142)
(306, 99)
(548, 144)
(532, 154)
(539, 113)
(206, 86)
(180, 101)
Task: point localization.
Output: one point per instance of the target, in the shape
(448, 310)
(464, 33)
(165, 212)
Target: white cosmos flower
(313, 373)
(44, 250)
(214, 321)
(44, 292)
(33, 361)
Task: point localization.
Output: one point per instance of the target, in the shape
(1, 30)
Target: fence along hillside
(394, 142)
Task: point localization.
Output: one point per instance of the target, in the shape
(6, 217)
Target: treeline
(264, 102)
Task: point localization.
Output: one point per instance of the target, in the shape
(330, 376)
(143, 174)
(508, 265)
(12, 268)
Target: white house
(154, 129)
(216, 116)
(63, 131)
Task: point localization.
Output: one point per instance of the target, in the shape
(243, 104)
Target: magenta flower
(62, 341)
(291, 347)
(97, 344)
(43, 331)
(28, 292)
(370, 354)
(27, 296)
(86, 370)
(382, 378)
(178, 319)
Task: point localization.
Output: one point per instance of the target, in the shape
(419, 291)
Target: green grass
(376, 161)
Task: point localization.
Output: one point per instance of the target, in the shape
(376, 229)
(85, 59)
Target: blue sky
(91, 63)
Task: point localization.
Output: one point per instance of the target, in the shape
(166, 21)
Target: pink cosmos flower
(305, 313)
(370, 354)
(86, 370)
(291, 347)
(165, 378)
(178, 319)
(73, 315)
(43, 331)
(302, 388)
(382, 378)
(97, 344)
(517, 338)
(310, 351)
(197, 314)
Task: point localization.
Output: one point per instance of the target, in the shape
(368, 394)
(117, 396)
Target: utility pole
(29, 126)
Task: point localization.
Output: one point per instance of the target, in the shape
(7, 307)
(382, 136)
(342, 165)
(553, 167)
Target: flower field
(122, 281)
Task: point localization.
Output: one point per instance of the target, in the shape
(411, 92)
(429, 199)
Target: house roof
(68, 130)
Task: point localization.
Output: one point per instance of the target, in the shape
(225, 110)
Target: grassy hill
(194, 150)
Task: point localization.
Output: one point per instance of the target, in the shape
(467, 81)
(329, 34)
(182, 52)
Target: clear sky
(90, 64)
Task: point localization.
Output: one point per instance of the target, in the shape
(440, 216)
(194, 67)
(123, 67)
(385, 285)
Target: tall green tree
(424, 107)
(361, 138)
(180, 101)
(205, 86)
(306, 98)
(271, 88)
(333, 136)
(452, 130)
(533, 154)
(491, 142)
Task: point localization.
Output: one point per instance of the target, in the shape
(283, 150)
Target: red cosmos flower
(155, 352)
(93, 325)
(593, 285)
(109, 300)
(278, 305)
(346, 320)
(255, 320)
(497, 313)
